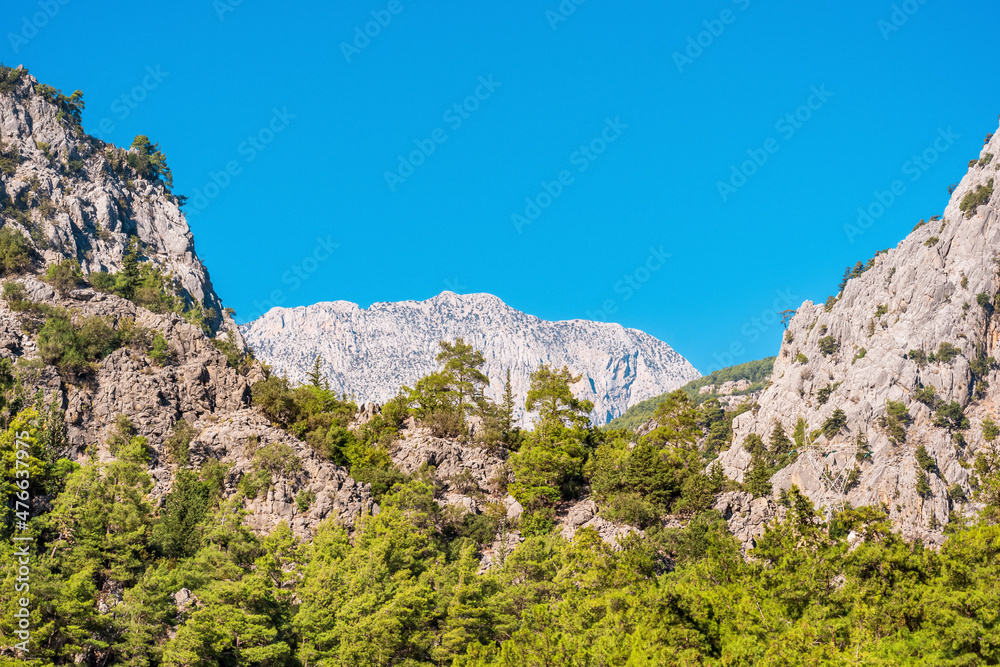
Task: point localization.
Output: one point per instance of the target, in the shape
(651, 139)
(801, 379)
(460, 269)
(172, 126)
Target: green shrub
(985, 159)
(860, 355)
(801, 358)
(976, 198)
(64, 276)
(895, 421)
(102, 281)
(178, 442)
(15, 295)
(990, 430)
(835, 424)
(160, 350)
(9, 159)
(828, 345)
(823, 395)
(926, 395)
(924, 460)
(15, 252)
(73, 349)
(931, 242)
(951, 416)
(947, 353)
(70, 108)
(923, 484)
(305, 499)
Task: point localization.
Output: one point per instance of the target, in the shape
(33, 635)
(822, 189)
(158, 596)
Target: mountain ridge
(616, 374)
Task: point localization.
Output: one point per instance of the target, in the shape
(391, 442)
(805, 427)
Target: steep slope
(76, 197)
(882, 341)
(371, 352)
(742, 379)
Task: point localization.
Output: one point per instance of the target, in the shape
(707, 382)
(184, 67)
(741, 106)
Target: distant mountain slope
(372, 352)
(754, 372)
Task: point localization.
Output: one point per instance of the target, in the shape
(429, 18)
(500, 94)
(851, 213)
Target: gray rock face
(372, 352)
(915, 297)
(78, 207)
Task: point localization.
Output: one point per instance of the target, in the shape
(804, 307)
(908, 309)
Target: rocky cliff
(76, 197)
(371, 352)
(921, 316)
(195, 383)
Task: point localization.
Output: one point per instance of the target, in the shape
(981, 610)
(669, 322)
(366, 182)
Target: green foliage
(178, 442)
(755, 372)
(64, 276)
(159, 351)
(932, 241)
(801, 358)
(927, 396)
(985, 159)
(9, 159)
(976, 198)
(9, 78)
(951, 416)
(924, 460)
(15, 252)
(947, 353)
(75, 348)
(923, 484)
(236, 358)
(148, 161)
(990, 429)
(304, 500)
(828, 345)
(835, 423)
(895, 421)
(70, 108)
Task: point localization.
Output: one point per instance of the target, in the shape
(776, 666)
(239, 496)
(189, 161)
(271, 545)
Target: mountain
(372, 352)
(73, 196)
(903, 358)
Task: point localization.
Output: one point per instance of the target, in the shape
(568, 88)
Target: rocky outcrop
(746, 516)
(195, 384)
(370, 353)
(854, 355)
(69, 200)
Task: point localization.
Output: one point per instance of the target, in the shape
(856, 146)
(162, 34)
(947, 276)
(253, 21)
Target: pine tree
(131, 273)
(315, 375)
(780, 443)
(507, 411)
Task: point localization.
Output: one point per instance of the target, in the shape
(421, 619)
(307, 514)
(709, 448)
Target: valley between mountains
(454, 482)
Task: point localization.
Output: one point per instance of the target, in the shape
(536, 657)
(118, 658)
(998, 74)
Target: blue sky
(579, 175)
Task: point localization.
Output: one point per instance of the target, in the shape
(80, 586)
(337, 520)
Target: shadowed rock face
(78, 207)
(371, 352)
(915, 297)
